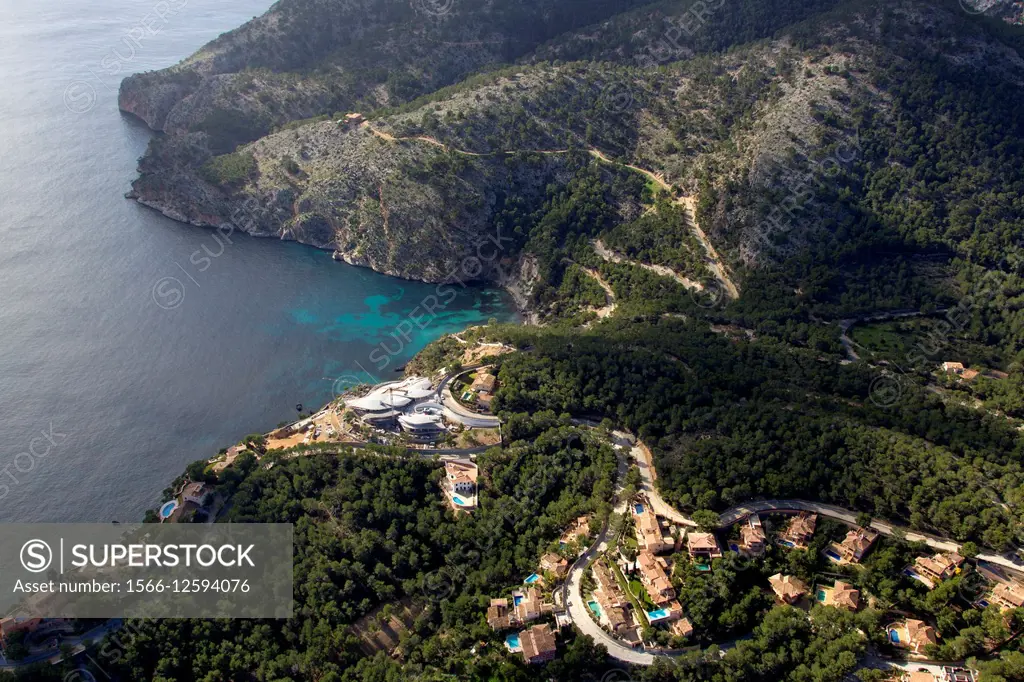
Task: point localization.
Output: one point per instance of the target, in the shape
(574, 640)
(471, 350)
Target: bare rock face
(151, 98)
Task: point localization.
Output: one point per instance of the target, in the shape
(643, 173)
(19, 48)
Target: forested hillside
(716, 210)
(373, 529)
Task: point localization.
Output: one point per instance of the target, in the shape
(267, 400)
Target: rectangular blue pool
(531, 579)
(512, 642)
(595, 607)
(639, 509)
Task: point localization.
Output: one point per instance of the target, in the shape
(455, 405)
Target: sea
(131, 345)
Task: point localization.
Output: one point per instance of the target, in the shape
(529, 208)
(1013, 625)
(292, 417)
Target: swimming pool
(639, 508)
(512, 642)
(516, 599)
(458, 500)
(894, 636)
(786, 543)
(531, 579)
(832, 555)
(657, 615)
(595, 607)
(821, 595)
(168, 508)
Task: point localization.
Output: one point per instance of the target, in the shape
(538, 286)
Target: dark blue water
(120, 360)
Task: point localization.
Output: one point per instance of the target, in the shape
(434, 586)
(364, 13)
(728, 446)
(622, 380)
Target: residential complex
(934, 569)
(800, 531)
(702, 545)
(459, 483)
(553, 563)
(654, 578)
(853, 547)
(841, 595)
(752, 537)
(1008, 595)
(538, 644)
(912, 635)
(612, 602)
(410, 406)
(649, 534)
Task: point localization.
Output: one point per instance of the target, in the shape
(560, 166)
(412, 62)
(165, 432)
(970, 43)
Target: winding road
(641, 456)
(714, 261)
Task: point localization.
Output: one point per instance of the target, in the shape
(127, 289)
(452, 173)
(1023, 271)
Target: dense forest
(372, 530)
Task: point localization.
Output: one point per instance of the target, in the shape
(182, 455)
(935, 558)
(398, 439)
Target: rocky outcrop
(310, 57)
(401, 208)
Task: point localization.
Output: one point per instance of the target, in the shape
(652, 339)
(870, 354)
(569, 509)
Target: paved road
(741, 511)
(734, 514)
(572, 592)
(457, 412)
(641, 457)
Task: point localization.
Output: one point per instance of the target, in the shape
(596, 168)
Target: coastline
(516, 280)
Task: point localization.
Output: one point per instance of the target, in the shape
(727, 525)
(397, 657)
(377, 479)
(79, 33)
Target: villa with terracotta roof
(538, 644)
(702, 545)
(197, 493)
(610, 598)
(958, 369)
(682, 627)
(460, 483)
(655, 580)
(648, 530)
(552, 563)
(752, 537)
(1008, 595)
(920, 676)
(800, 531)
(789, 589)
(912, 635)
(483, 386)
(577, 530)
(842, 595)
(498, 614)
(931, 570)
(853, 547)
(529, 606)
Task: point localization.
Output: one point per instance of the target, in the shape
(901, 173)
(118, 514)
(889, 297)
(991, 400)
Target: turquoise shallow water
(123, 355)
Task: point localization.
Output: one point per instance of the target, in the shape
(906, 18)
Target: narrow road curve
(460, 413)
(715, 262)
(609, 295)
(614, 257)
(572, 589)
